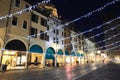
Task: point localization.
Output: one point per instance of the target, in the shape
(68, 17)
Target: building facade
(25, 39)
(34, 39)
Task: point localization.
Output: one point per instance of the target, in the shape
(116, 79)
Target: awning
(36, 49)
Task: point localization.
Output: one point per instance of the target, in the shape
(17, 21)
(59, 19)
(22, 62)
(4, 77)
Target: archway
(50, 56)
(66, 53)
(50, 53)
(60, 52)
(60, 58)
(15, 45)
(15, 53)
(36, 49)
(36, 56)
(73, 54)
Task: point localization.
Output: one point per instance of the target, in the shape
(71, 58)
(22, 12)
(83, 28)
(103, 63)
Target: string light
(101, 40)
(109, 45)
(107, 38)
(82, 33)
(47, 1)
(24, 10)
(112, 48)
(104, 32)
(66, 24)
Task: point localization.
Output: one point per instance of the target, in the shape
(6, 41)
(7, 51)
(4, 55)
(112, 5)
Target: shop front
(74, 58)
(80, 58)
(35, 57)
(60, 58)
(50, 57)
(68, 60)
(14, 59)
(35, 60)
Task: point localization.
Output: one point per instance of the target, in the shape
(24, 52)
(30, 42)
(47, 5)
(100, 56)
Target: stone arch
(15, 45)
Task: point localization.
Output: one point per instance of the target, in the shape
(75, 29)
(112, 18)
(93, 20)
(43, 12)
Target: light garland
(113, 48)
(109, 45)
(24, 10)
(108, 38)
(104, 32)
(84, 16)
(95, 28)
(98, 35)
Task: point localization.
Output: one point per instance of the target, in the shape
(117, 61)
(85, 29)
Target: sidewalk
(29, 69)
(111, 71)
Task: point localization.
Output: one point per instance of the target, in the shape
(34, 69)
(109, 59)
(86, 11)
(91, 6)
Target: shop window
(34, 18)
(33, 31)
(17, 3)
(36, 59)
(14, 21)
(25, 24)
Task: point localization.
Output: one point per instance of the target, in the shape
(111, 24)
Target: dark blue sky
(71, 9)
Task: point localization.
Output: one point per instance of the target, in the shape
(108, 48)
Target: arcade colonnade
(18, 55)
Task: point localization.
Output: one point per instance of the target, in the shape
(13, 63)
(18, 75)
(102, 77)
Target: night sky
(72, 9)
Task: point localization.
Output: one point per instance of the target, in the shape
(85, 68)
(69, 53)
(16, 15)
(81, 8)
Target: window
(65, 35)
(34, 18)
(47, 27)
(62, 42)
(33, 32)
(43, 22)
(27, 6)
(54, 31)
(46, 37)
(25, 24)
(57, 41)
(42, 35)
(54, 39)
(14, 21)
(17, 3)
(57, 31)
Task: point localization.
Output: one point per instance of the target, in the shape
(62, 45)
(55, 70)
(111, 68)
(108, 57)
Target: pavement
(111, 71)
